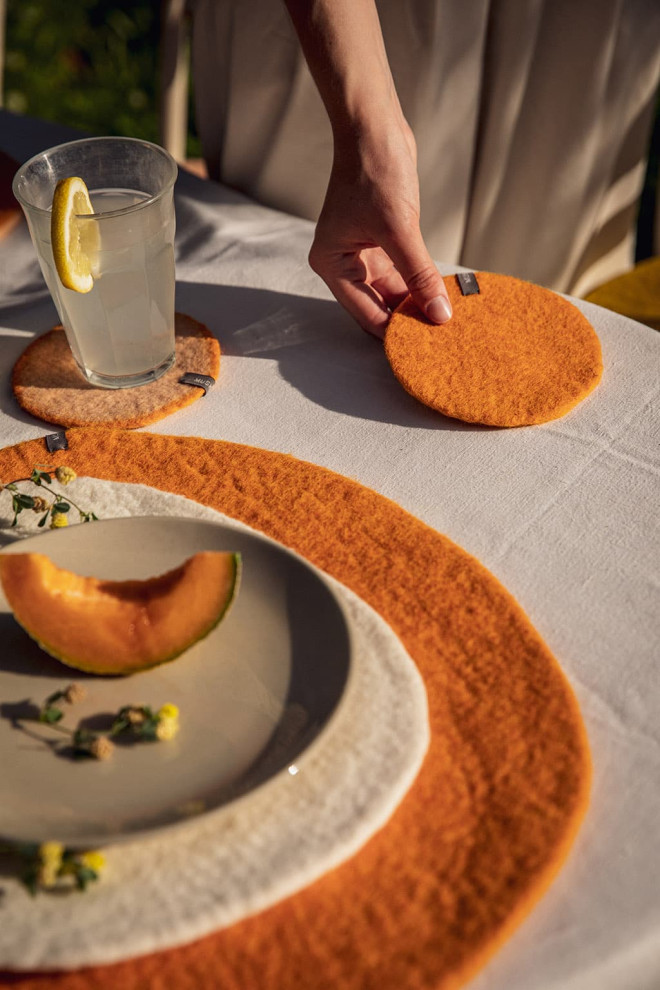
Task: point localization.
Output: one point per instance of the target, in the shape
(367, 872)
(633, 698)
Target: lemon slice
(70, 239)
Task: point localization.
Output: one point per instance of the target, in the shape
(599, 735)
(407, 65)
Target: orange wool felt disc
(496, 805)
(48, 383)
(512, 354)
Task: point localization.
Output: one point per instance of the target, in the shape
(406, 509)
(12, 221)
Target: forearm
(368, 246)
(343, 46)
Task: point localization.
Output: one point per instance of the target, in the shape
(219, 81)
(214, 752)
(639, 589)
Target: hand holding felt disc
(512, 354)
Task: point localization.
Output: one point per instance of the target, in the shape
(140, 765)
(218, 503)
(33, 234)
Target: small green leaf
(119, 725)
(38, 476)
(27, 850)
(42, 521)
(61, 507)
(85, 876)
(50, 715)
(52, 698)
(83, 737)
(25, 501)
(30, 879)
(147, 730)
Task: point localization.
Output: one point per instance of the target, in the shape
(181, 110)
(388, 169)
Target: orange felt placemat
(503, 789)
(513, 354)
(48, 383)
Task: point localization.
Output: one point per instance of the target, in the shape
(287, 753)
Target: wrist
(375, 144)
(365, 107)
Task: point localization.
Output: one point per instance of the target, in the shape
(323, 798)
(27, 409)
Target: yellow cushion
(635, 294)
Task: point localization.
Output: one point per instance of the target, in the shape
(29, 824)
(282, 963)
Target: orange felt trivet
(512, 354)
(497, 803)
(48, 384)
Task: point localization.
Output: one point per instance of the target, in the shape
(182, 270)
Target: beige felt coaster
(48, 384)
(512, 354)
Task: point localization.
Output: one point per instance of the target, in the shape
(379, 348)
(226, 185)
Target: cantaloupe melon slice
(118, 627)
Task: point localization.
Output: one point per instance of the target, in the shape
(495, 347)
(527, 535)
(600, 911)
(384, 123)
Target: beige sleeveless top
(532, 120)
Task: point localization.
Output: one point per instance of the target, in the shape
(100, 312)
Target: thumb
(424, 281)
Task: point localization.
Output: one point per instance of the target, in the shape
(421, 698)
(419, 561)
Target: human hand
(368, 247)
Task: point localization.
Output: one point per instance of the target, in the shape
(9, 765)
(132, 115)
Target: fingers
(365, 306)
(391, 286)
(369, 281)
(424, 282)
(363, 282)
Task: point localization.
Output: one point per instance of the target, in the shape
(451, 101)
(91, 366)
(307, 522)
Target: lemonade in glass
(120, 328)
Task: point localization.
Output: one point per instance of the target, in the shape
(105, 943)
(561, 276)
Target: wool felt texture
(498, 801)
(513, 354)
(48, 384)
(10, 211)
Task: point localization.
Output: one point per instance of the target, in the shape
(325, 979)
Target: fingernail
(439, 310)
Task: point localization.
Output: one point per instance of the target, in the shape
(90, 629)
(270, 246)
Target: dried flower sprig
(50, 712)
(134, 722)
(52, 866)
(59, 506)
(142, 722)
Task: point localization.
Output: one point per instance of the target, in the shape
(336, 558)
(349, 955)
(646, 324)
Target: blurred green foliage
(92, 64)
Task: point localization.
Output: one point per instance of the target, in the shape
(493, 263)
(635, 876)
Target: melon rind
(119, 627)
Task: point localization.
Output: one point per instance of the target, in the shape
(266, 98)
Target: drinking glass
(121, 332)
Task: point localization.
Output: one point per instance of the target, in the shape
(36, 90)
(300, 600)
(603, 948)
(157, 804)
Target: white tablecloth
(564, 514)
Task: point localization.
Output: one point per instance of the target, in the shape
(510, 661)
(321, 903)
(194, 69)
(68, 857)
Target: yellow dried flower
(166, 729)
(168, 711)
(93, 860)
(40, 504)
(58, 520)
(50, 860)
(47, 875)
(101, 748)
(51, 852)
(65, 475)
(168, 722)
(74, 693)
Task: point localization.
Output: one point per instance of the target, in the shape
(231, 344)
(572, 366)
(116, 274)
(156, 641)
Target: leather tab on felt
(496, 805)
(512, 355)
(48, 384)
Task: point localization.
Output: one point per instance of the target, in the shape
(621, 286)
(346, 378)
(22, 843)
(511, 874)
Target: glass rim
(91, 140)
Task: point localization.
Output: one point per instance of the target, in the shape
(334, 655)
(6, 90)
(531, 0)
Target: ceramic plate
(252, 696)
